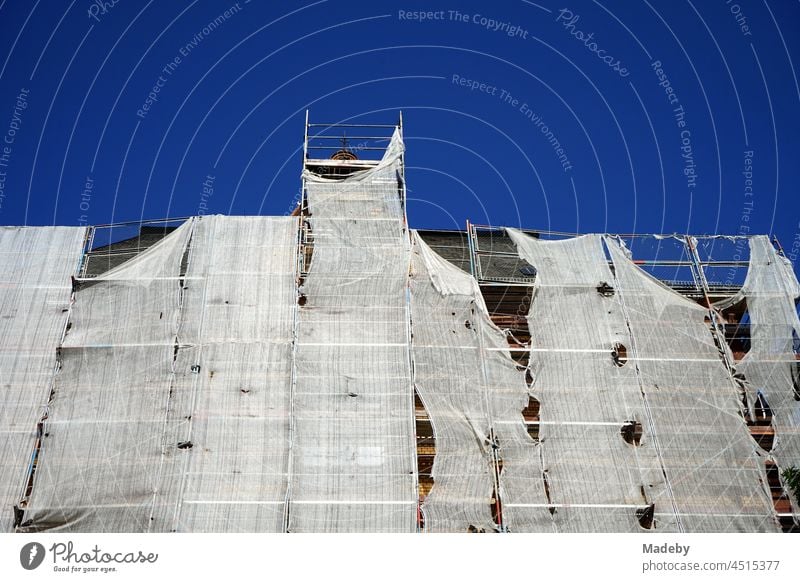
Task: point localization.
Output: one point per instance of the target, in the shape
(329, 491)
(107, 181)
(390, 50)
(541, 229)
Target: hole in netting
(796, 381)
(740, 379)
(468, 324)
(496, 513)
(646, 515)
(735, 323)
(473, 529)
(546, 481)
(19, 516)
(605, 289)
(426, 454)
(306, 248)
(762, 411)
(302, 300)
(780, 497)
(495, 503)
(631, 432)
(745, 411)
(760, 424)
(185, 445)
(531, 415)
(619, 354)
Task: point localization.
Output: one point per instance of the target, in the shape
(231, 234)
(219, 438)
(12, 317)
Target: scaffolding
(335, 370)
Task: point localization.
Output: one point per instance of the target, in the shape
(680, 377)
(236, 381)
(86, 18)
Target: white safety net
(473, 394)
(640, 422)
(715, 474)
(35, 268)
(596, 480)
(227, 456)
(103, 451)
(171, 408)
(771, 365)
(353, 461)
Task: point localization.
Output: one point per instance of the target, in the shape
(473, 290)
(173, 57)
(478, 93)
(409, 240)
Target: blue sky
(615, 116)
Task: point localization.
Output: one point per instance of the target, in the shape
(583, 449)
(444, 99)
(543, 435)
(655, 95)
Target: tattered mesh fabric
(35, 268)
(353, 456)
(228, 422)
(448, 379)
(771, 366)
(103, 451)
(596, 481)
(715, 475)
(473, 395)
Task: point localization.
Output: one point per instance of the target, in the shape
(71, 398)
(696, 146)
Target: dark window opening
(605, 289)
(426, 454)
(496, 504)
(761, 409)
(736, 324)
(796, 381)
(760, 425)
(620, 355)
(631, 432)
(531, 415)
(780, 499)
(646, 516)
